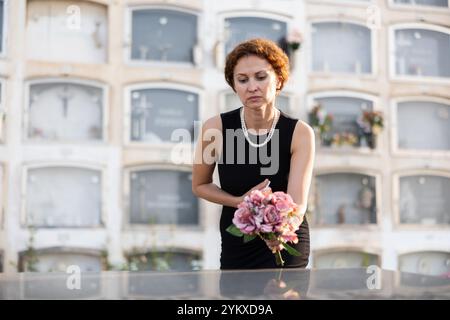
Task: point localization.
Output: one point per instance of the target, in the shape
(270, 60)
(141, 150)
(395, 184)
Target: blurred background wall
(91, 92)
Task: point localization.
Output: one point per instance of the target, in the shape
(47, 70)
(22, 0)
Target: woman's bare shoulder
(214, 122)
(303, 135)
(303, 127)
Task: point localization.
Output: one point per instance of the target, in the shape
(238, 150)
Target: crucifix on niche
(65, 96)
(141, 111)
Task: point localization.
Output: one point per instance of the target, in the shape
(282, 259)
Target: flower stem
(279, 259)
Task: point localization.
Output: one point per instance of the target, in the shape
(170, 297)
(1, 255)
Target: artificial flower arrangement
(321, 121)
(371, 123)
(273, 217)
(344, 139)
(294, 39)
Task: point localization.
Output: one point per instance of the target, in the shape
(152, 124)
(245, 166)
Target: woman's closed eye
(259, 78)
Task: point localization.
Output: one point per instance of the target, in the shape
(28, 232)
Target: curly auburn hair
(264, 49)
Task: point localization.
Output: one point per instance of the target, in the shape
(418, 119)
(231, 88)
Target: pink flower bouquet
(274, 217)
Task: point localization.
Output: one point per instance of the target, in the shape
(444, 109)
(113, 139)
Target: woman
(256, 70)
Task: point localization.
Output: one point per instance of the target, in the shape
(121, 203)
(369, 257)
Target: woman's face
(255, 81)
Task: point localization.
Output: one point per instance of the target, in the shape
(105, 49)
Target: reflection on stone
(56, 289)
(270, 284)
(153, 285)
(265, 284)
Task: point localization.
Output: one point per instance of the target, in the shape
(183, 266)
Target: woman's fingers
(261, 185)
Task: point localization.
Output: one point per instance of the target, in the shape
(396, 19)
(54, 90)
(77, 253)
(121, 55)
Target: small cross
(65, 97)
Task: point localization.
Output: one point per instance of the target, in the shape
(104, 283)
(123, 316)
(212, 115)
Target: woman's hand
(261, 186)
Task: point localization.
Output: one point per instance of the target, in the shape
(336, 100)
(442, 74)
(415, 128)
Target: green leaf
(291, 250)
(248, 237)
(235, 231)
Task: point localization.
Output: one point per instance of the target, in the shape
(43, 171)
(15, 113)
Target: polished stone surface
(256, 284)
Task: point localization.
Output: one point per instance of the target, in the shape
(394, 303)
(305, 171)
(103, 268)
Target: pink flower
(289, 237)
(282, 227)
(295, 36)
(283, 202)
(295, 221)
(244, 205)
(282, 206)
(271, 218)
(283, 196)
(268, 199)
(256, 197)
(244, 220)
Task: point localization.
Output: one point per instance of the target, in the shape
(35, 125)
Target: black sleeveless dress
(239, 171)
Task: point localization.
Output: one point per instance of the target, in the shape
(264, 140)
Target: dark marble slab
(257, 284)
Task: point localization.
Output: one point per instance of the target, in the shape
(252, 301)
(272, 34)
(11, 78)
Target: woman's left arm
(302, 163)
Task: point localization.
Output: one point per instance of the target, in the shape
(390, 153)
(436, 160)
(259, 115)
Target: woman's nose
(252, 86)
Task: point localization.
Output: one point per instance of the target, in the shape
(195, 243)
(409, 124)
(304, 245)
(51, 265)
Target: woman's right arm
(209, 146)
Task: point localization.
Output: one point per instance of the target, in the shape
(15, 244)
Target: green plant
(321, 121)
(30, 257)
(294, 39)
(371, 122)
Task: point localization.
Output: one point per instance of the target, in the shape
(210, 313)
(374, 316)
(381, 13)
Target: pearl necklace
(269, 136)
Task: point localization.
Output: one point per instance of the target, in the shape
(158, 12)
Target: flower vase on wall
(293, 40)
(292, 58)
(371, 140)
